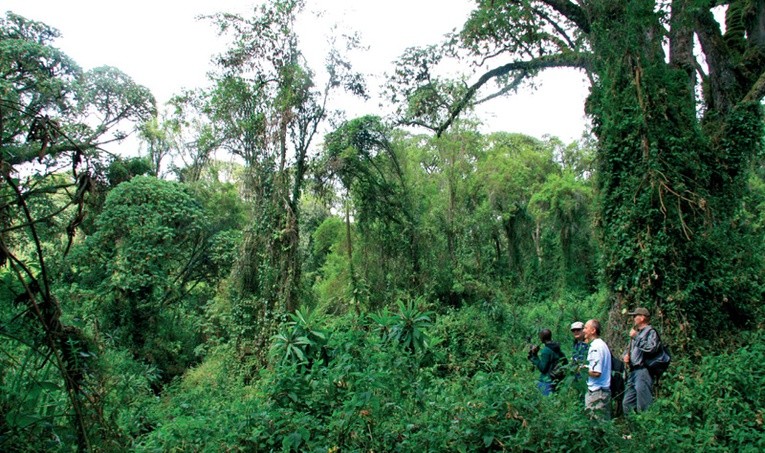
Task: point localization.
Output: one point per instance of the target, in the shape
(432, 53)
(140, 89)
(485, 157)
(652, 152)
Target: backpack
(558, 370)
(659, 361)
(617, 384)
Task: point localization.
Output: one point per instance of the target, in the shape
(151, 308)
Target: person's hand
(626, 358)
(534, 349)
(633, 332)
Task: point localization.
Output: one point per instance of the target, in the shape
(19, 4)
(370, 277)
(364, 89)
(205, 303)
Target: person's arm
(595, 367)
(542, 361)
(649, 342)
(643, 345)
(626, 356)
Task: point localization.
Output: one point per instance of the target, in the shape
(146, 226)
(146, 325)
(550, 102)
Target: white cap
(577, 325)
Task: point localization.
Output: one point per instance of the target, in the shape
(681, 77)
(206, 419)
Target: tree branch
(556, 26)
(718, 56)
(757, 92)
(507, 88)
(572, 12)
(550, 61)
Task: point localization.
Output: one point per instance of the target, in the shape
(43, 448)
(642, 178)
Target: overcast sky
(162, 45)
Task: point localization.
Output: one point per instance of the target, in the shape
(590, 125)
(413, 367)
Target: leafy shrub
(300, 341)
(407, 327)
(135, 273)
(472, 341)
(370, 394)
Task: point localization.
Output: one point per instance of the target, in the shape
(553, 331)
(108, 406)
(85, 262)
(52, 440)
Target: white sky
(161, 45)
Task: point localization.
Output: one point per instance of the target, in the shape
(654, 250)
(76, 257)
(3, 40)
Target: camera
(533, 349)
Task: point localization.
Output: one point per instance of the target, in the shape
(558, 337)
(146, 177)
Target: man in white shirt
(597, 401)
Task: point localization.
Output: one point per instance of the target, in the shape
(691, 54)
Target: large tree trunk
(670, 185)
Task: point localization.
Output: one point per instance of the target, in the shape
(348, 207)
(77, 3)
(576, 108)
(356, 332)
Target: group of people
(592, 358)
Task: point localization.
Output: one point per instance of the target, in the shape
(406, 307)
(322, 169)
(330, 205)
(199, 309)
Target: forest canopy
(267, 274)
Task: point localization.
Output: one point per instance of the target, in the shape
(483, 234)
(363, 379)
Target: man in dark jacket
(544, 360)
(644, 342)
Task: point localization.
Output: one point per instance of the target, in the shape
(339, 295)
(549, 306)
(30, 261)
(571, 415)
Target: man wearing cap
(579, 356)
(644, 342)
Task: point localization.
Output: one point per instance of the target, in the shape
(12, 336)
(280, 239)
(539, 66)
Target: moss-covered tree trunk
(670, 183)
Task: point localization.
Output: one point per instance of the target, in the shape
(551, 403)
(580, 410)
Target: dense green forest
(267, 274)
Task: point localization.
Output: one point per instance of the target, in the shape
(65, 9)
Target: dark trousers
(638, 396)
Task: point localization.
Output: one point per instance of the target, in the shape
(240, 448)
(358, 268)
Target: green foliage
(360, 153)
(474, 339)
(326, 236)
(47, 97)
(369, 396)
(37, 79)
(137, 268)
(54, 119)
(121, 170)
(31, 389)
(300, 341)
(207, 410)
(407, 327)
(266, 107)
(469, 198)
(674, 144)
(712, 402)
(125, 389)
(330, 280)
(146, 232)
(659, 212)
(152, 335)
(333, 286)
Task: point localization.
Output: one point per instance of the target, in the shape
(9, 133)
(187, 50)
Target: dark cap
(640, 311)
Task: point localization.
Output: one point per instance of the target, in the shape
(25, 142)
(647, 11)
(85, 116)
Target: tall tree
(156, 135)
(53, 120)
(361, 154)
(513, 169)
(193, 138)
(135, 273)
(267, 109)
(676, 133)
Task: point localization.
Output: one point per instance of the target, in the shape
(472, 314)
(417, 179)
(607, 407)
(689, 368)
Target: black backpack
(617, 384)
(659, 361)
(558, 370)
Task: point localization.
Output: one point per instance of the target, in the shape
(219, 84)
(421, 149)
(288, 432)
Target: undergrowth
(472, 389)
